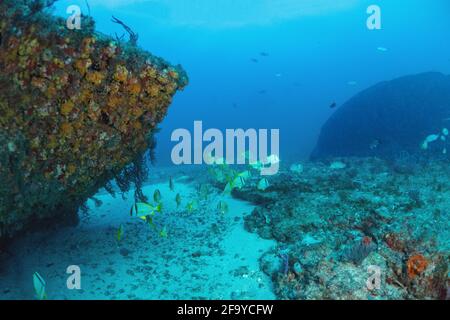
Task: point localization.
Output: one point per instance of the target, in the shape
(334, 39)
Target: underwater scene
(224, 150)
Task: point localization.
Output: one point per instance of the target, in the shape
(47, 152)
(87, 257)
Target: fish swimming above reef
(143, 209)
(337, 165)
(237, 182)
(39, 286)
(222, 207)
(192, 206)
(171, 184)
(146, 212)
(429, 139)
(374, 144)
(333, 105)
(163, 233)
(245, 174)
(149, 220)
(157, 196)
(263, 184)
(120, 233)
(178, 200)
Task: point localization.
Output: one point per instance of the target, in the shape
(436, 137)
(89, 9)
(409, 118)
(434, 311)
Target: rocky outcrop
(77, 109)
(388, 119)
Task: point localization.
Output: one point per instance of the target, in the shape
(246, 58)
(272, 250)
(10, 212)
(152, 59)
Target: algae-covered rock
(337, 225)
(389, 119)
(77, 109)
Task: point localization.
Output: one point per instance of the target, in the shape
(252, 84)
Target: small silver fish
(178, 200)
(375, 144)
(222, 207)
(157, 196)
(171, 185)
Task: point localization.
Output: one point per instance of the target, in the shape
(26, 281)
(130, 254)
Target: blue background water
(315, 50)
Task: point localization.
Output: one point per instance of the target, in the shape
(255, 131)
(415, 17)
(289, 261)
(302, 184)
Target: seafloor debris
(77, 109)
(332, 225)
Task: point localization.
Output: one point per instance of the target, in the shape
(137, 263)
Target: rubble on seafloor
(335, 227)
(77, 109)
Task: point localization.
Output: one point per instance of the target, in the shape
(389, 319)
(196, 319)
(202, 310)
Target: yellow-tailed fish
(134, 208)
(171, 185)
(145, 209)
(222, 207)
(39, 286)
(203, 191)
(238, 182)
(149, 220)
(178, 200)
(120, 233)
(245, 174)
(157, 196)
(191, 206)
(228, 188)
(159, 208)
(131, 210)
(263, 184)
(163, 233)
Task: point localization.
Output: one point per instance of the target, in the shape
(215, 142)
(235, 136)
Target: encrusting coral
(334, 225)
(77, 109)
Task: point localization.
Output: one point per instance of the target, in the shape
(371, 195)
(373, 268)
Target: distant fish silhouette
(333, 105)
(374, 144)
(262, 91)
(264, 54)
(254, 60)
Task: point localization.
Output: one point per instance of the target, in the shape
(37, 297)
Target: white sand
(206, 255)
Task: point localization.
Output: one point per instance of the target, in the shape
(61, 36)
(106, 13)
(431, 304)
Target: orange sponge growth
(416, 265)
(76, 109)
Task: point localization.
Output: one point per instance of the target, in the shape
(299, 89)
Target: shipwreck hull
(77, 109)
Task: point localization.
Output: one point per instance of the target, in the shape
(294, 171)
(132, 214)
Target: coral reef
(77, 109)
(332, 225)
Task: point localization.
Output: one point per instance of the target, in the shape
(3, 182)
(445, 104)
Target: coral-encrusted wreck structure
(77, 109)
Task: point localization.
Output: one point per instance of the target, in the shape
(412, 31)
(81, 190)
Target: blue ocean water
(226, 232)
(315, 48)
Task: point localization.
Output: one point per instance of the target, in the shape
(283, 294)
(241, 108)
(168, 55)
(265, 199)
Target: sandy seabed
(207, 254)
